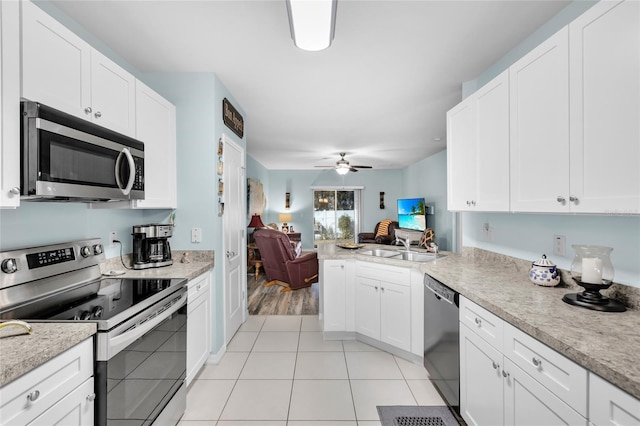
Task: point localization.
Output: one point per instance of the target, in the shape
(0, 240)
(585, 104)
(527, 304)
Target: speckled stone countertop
(199, 263)
(21, 352)
(604, 343)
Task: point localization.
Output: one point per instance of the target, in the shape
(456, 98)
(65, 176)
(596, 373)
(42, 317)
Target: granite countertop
(199, 263)
(604, 343)
(21, 352)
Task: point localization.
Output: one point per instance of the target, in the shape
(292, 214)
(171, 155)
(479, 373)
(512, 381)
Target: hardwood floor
(270, 301)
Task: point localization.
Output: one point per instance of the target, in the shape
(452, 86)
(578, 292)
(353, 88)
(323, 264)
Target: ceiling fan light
(312, 23)
(342, 170)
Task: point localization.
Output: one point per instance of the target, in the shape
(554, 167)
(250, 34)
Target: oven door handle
(117, 343)
(132, 171)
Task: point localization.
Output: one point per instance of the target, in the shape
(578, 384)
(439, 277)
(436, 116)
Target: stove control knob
(97, 312)
(9, 266)
(97, 249)
(85, 251)
(85, 315)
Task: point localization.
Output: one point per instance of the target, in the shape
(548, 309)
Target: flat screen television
(411, 214)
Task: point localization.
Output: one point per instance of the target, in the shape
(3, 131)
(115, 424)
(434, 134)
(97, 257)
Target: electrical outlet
(487, 232)
(196, 235)
(112, 238)
(559, 243)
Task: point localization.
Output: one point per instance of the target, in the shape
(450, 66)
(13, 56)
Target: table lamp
(284, 218)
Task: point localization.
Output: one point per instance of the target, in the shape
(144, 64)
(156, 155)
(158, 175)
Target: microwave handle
(132, 171)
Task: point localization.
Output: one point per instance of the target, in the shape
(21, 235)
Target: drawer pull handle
(91, 397)
(505, 374)
(478, 322)
(33, 395)
(537, 362)
(496, 366)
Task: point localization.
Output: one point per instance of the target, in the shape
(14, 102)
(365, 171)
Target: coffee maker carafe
(151, 246)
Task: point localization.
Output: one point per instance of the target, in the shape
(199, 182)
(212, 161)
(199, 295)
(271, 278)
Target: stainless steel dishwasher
(441, 340)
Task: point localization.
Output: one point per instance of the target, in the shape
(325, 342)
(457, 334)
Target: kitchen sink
(417, 256)
(380, 253)
(414, 256)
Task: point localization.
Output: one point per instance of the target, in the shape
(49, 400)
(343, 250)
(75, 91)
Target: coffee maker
(151, 246)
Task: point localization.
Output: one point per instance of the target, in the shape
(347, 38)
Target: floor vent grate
(419, 421)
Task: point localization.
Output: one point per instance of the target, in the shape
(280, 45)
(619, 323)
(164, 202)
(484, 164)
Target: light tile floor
(278, 371)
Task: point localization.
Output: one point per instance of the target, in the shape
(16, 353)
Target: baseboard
(215, 358)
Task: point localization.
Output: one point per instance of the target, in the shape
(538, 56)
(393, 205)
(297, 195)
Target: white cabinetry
(478, 149)
(9, 100)
(198, 324)
(539, 106)
(509, 378)
(59, 391)
(611, 406)
(334, 295)
(605, 106)
(156, 128)
(61, 70)
(383, 303)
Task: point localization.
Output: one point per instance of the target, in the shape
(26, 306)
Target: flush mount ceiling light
(312, 23)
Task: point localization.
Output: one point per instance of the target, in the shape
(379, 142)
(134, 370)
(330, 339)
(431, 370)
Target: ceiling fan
(343, 167)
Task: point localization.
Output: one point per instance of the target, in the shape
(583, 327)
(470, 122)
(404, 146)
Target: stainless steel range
(140, 345)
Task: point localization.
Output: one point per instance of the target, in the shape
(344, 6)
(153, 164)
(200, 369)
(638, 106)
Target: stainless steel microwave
(65, 158)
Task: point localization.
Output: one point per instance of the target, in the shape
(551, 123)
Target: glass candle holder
(592, 265)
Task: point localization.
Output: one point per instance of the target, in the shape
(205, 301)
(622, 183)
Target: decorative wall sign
(232, 118)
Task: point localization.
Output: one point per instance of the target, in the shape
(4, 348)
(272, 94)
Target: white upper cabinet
(605, 108)
(56, 63)
(9, 99)
(62, 71)
(156, 128)
(478, 149)
(112, 95)
(539, 116)
(461, 156)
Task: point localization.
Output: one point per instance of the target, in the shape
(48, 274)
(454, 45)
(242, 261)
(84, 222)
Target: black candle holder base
(591, 298)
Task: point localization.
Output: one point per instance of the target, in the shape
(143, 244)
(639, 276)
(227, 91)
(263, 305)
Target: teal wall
(528, 236)
(198, 100)
(428, 178)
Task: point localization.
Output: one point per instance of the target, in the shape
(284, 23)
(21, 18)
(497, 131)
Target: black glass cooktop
(98, 301)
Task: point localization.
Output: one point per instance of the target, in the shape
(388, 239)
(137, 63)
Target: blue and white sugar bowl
(544, 272)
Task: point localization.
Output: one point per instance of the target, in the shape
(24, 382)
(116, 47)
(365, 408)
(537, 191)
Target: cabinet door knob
(376, 287)
(478, 321)
(560, 199)
(15, 190)
(98, 114)
(91, 397)
(87, 110)
(536, 361)
(33, 395)
(573, 199)
(505, 374)
(495, 365)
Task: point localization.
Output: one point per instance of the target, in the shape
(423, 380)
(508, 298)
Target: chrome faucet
(406, 242)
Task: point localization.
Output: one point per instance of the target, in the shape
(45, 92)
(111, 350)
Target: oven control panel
(45, 258)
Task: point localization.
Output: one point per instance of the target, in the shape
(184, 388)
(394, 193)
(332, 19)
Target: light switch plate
(559, 243)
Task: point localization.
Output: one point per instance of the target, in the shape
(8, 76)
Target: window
(336, 215)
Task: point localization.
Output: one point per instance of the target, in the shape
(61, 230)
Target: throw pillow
(383, 228)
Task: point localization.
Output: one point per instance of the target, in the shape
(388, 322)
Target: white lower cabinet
(198, 324)
(517, 381)
(610, 405)
(334, 295)
(59, 391)
(382, 307)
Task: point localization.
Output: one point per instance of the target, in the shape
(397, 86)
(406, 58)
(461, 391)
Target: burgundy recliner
(281, 263)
